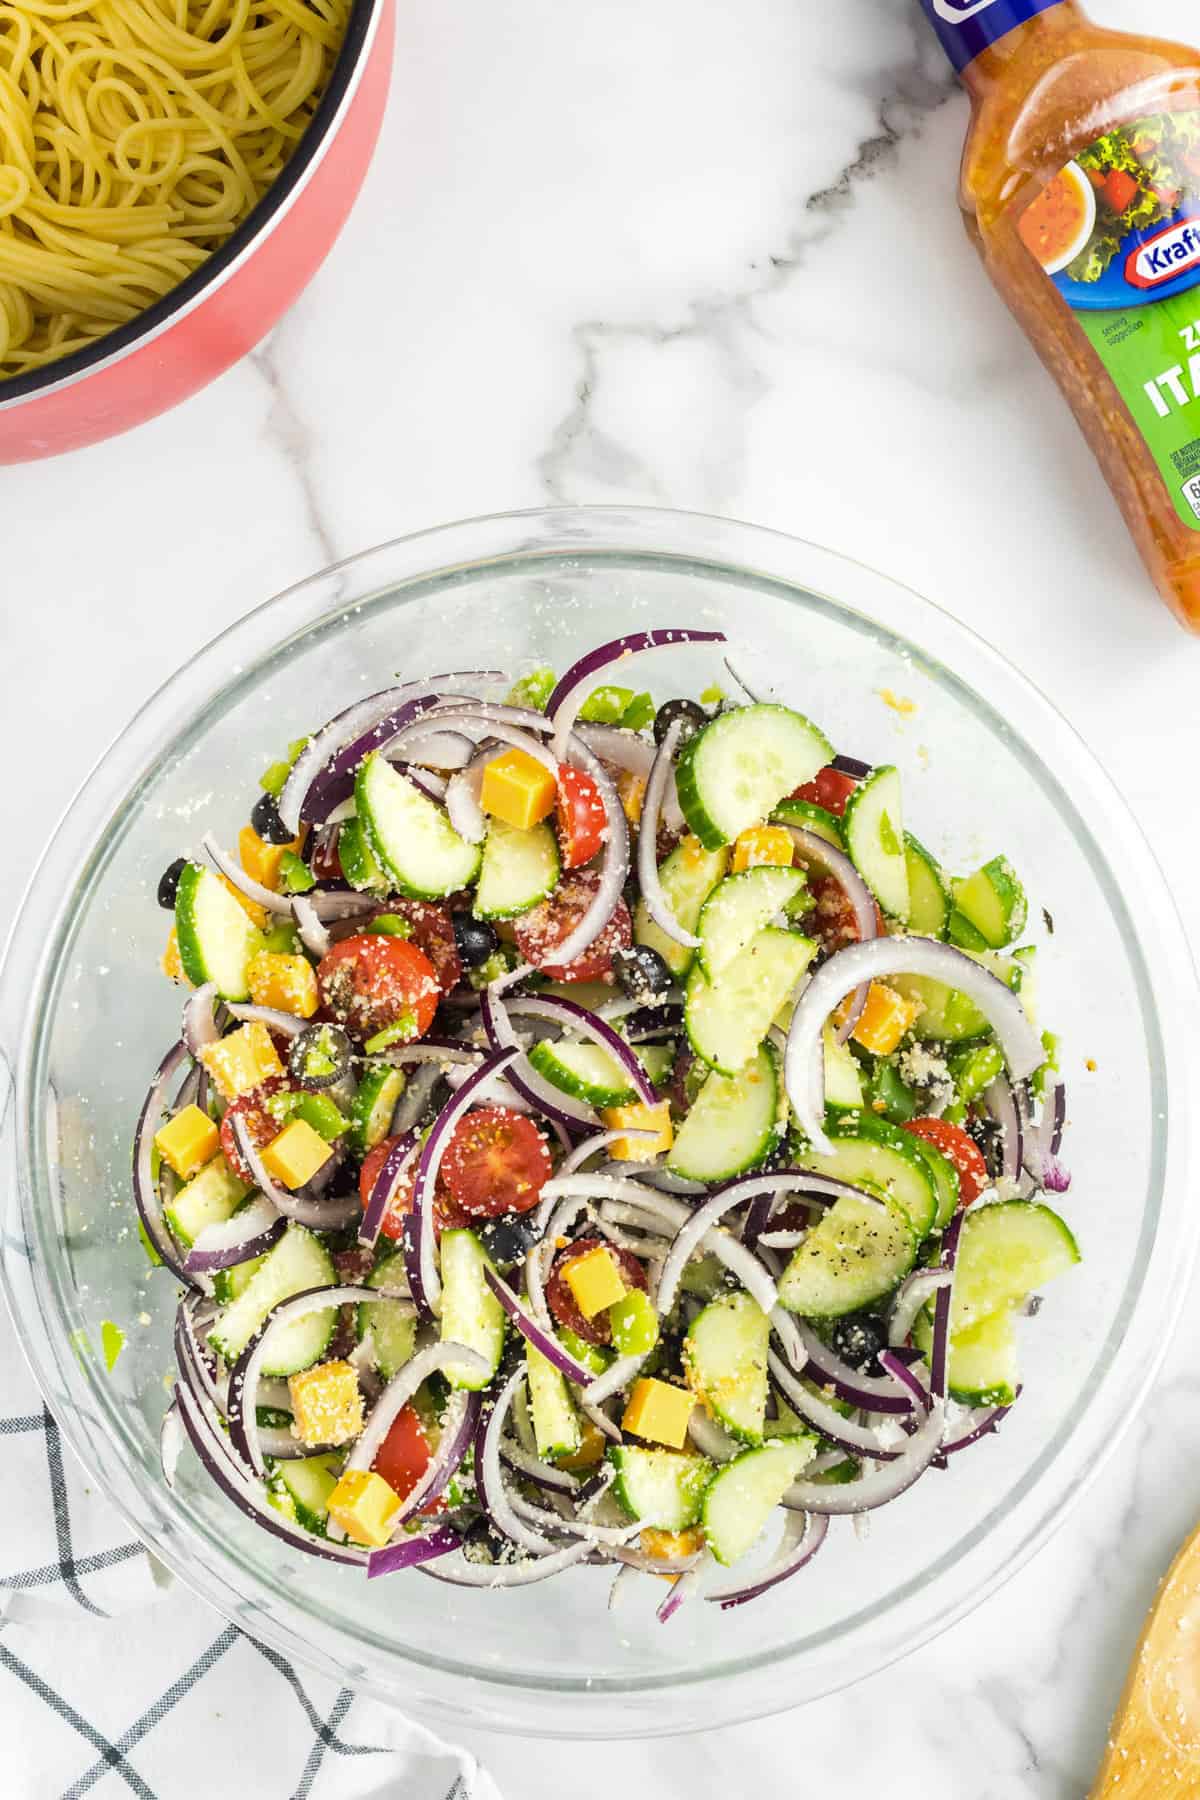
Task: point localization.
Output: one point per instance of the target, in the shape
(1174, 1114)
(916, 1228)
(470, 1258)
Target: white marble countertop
(707, 257)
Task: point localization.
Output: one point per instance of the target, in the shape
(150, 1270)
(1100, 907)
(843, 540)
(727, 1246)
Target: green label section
(1153, 355)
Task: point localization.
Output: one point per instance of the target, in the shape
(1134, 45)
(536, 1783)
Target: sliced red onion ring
(617, 1376)
(285, 1024)
(588, 1024)
(244, 1377)
(711, 1439)
(146, 1196)
(439, 1050)
(498, 729)
(881, 957)
(171, 1439)
(653, 893)
(333, 904)
(815, 849)
(401, 1388)
(489, 1476)
(569, 694)
(1043, 1139)
(874, 1393)
(459, 1425)
(881, 1485)
(626, 750)
(410, 1108)
(999, 1101)
(228, 1242)
(907, 1377)
(410, 1552)
(533, 1469)
(442, 750)
(912, 1294)
(803, 1535)
(542, 1340)
(940, 1348)
(698, 1228)
(854, 1439)
(683, 1589)
(980, 1422)
(532, 1088)
(228, 865)
(591, 1146)
(393, 1166)
(462, 799)
(317, 1215)
(197, 1366)
(512, 1575)
(200, 1026)
(564, 1523)
(313, 934)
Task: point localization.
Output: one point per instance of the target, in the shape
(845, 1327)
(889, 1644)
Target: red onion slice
(511, 1575)
(907, 1377)
(338, 903)
(626, 750)
(854, 1439)
(881, 1485)
(569, 694)
(313, 934)
(803, 1535)
(814, 849)
(1000, 1103)
(283, 1023)
(392, 1168)
(228, 1242)
(458, 1430)
(171, 1439)
(569, 1013)
(244, 1378)
(875, 961)
(410, 1552)
(940, 1348)
(462, 799)
(146, 1196)
(228, 865)
(200, 1023)
(980, 1422)
(543, 1475)
(911, 1296)
(653, 893)
(616, 1377)
(532, 1088)
(489, 1476)
(542, 1340)
(592, 1146)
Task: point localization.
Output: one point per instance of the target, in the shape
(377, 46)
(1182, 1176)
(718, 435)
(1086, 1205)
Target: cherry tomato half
(562, 1302)
(447, 1214)
(1120, 189)
(405, 1454)
(261, 1124)
(497, 1161)
(828, 788)
(433, 935)
(831, 919)
(960, 1149)
(580, 815)
(540, 932)
(368, 983)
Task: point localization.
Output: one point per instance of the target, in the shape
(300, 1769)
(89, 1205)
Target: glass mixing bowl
(988, 765)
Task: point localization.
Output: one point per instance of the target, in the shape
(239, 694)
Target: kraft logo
(1173, 252)
(955, 11)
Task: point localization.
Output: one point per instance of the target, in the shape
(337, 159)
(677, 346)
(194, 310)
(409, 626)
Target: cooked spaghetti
(135, 136)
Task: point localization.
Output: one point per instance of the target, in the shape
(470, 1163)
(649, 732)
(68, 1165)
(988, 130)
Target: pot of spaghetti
(172, 174)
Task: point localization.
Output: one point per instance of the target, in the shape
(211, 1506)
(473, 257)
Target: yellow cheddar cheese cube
(296, 1154)
(242, 1060)
(595, 1281)
(886, 1017)
(327, 1404)
(172, 962)
(639, 1117)
(261, 860)
(288, 983)
(659, 1412)
(763, 844)
(631, 791)
(666, 1546)
(188, 1141)
(365, 1507)
(518, 789)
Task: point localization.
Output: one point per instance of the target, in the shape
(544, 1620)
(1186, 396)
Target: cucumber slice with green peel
(727, 1020)
(733, 1124)
(1025, 980)
(216, 936)
(947, 1015)
(868, 1152)
(808, 817)
(843, 1078)
(358, 861)
(856, 1254)
(391, 1323)
(981, 1364)
(963, 934)
(687, 877)
(555, 1421)
(930, 901)
(725, 1361)
(664, 1489)
(471, 1313)
(308, 1482)
(992, 904)
(297, 1262)
(736, 911)
(518, 870)
(373, 1106)
(209, 1198)
(944, 1176)
(410, 837)
(874, 828)
(735, 771)
(658, 1060)
(585, 1071)
(744, 1493)
(229, 1283)
(1006, 1251)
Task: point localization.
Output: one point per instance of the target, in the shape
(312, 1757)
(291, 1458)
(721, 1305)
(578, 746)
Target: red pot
(214, 317)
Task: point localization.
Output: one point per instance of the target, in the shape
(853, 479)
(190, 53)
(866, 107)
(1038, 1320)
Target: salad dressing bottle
(1081, 189)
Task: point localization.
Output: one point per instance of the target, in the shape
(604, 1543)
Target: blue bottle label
(966, 27)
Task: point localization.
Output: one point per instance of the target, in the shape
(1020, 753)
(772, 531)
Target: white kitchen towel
(115, 1680)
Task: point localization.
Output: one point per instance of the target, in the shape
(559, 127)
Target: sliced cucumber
(229, 1283)
(373, 1105)
(727, 1020)
(929, 898)
(518, 870)
(216, 936)
(744, 1493)
(664, 1489)
(738, 768)
(868, 1152)
(981, 1367)
(358, 861)
(947, 1015)
(555, 1421)
(411, 838)
(856, 1254)
(993, 906)
(392, 1323)
(471, 1313)
(944, 1176)
(688, 877)
(809, 817)
(209, 1198)
(308, 1482)
(585, 1071)
(734, 1122)
(298, 1261)
(736, 911)
(1006, 1251)
(874, 827)
(843, 1079)
(725, 1358)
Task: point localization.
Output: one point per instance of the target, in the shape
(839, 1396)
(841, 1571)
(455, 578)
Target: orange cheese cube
(770, 844)
(886, 1017)
(327, 1403)
(242, 1060)
(659, 1411)
(639, 1117)
(595, 1281)
(665, 1546)
(518, 789)
(188, 1141)
(365, 1507)
(631, 791)
(296, 1154)
(261, 860)
(288, 983)
(172, 962)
